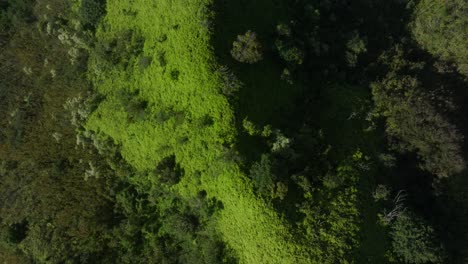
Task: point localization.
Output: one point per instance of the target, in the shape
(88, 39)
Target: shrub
(263, 177)
(286, 76)
(144, 62)
(250, 127)
(231, 84)
(91, 12)
(247, 48)
(289, 52)
(355, 46)
(121, 49)
(381, 192)
(284, 30)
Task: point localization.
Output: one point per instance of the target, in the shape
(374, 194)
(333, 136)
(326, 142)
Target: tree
(413, 241)
(247, 48)
(413, 123)
(441, 27)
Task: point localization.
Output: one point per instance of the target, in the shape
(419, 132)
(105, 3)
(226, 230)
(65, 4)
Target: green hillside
(233, 131)
(177, 101)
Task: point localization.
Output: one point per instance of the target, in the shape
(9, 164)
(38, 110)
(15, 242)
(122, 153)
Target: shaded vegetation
(159, 132)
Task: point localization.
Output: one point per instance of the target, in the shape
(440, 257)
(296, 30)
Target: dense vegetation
(199, 131)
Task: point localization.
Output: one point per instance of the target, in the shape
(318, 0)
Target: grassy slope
(254, 231)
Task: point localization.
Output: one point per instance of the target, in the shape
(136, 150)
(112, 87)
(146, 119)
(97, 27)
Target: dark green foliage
(412, 120)
(175, 75)
(247, 48)
(91, 12)
(231, 84)
(49, 212)
(13, 13)
(355, 47)
(120, 51)
(413, 241)
(263, 177)
(330, 212)
(158, 226)
(168, 171)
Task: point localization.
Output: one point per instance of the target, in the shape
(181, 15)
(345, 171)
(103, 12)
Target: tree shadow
(264, 99)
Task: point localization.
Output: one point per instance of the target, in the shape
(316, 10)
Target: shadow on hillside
(266, 99)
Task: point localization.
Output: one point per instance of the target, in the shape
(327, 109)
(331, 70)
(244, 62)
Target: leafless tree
(398, 207)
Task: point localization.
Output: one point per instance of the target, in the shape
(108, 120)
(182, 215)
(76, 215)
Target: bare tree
(398, 207)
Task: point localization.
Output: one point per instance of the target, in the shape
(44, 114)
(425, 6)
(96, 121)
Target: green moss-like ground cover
(174, 107)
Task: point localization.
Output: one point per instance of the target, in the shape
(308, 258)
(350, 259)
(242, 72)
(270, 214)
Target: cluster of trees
(371, 168)
(416, 104)
(413, 119)
(50, 214)
(67, 196)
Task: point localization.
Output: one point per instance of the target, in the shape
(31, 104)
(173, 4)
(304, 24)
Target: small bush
(381, 193)
(290, 52)
(144, 62)
(263, 177)
(91, 12)
(356, 46)
(284, 30)
(231, 84)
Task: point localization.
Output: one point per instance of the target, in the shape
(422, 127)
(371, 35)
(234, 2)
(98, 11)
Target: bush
(247, 48)
(121, 50)
(355, 46)
(284, 30)
(289, 52)
(231, 84)
(381, 192)
(263, 177)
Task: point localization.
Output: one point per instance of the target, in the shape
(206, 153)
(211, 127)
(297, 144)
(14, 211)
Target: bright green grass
(252, 229)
